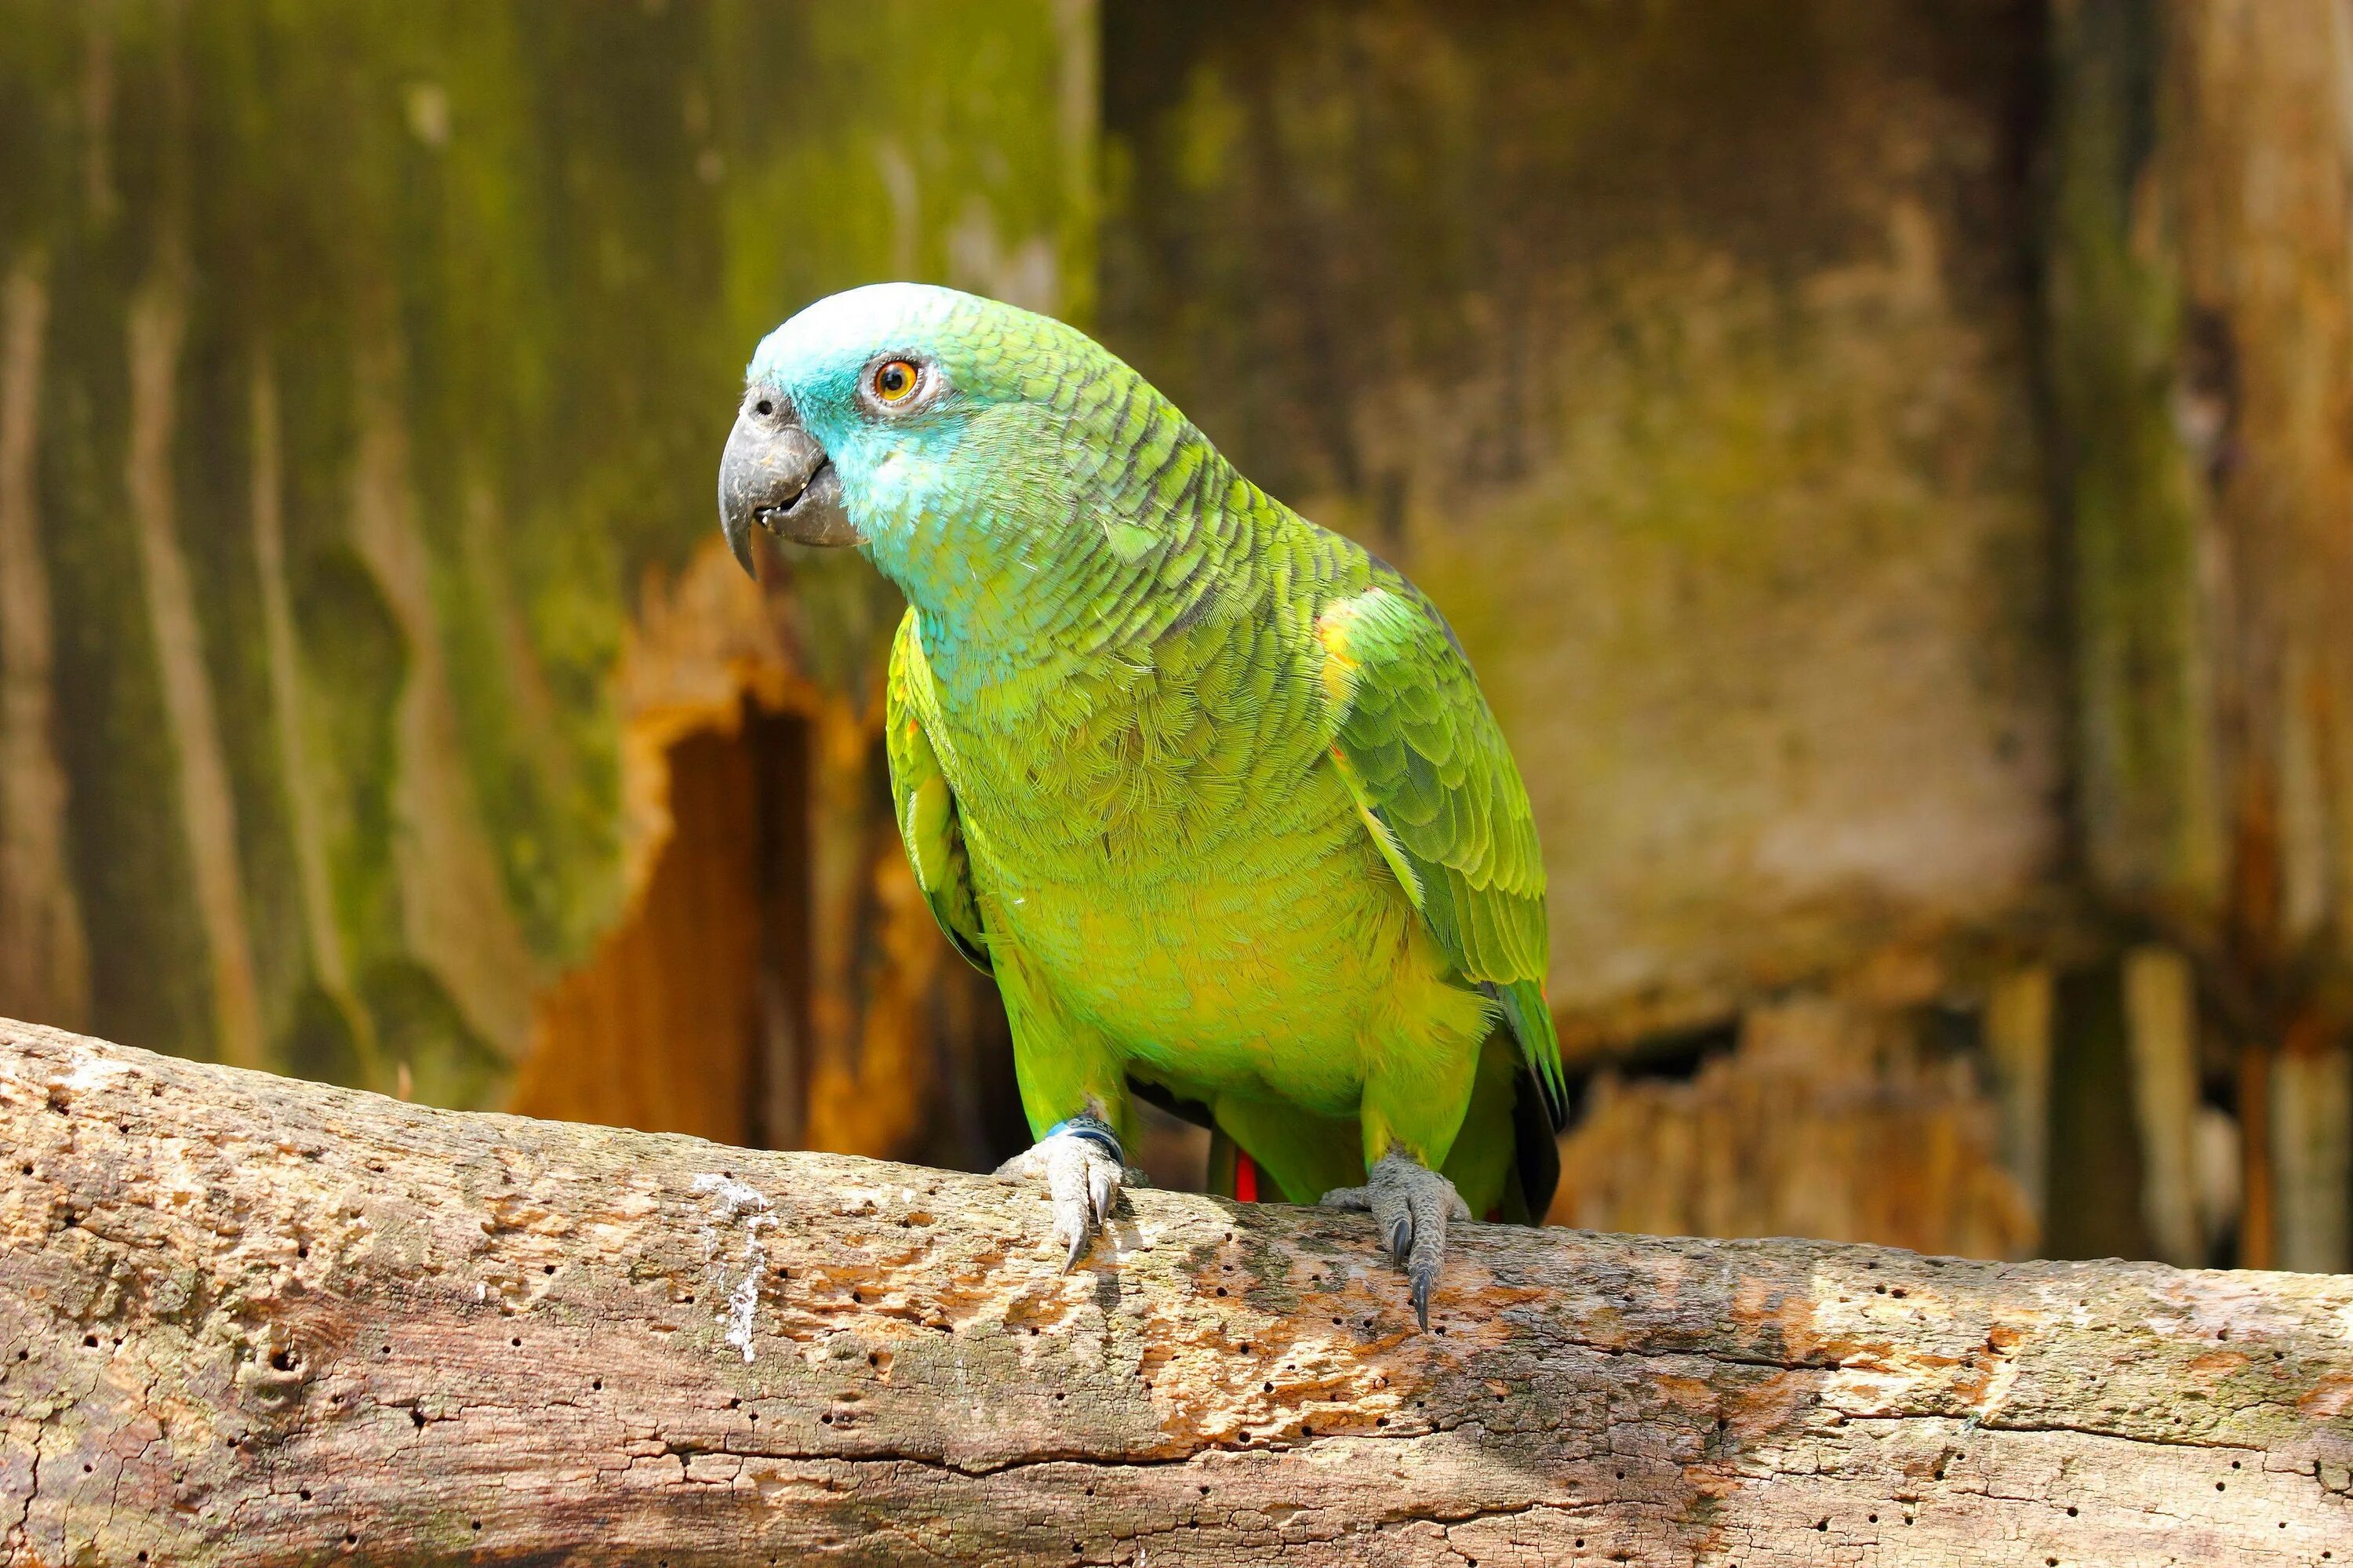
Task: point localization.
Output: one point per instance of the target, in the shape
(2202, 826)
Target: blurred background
(1891, 461)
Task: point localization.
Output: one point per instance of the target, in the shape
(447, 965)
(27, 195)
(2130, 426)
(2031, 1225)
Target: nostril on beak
(776, 475)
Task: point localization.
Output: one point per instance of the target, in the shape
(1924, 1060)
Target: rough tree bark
(248, 1320)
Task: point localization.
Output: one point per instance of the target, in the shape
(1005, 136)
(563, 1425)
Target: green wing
(1422, 753)
(926, 806)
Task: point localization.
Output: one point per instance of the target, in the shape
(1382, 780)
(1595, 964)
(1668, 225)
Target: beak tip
(738, 545)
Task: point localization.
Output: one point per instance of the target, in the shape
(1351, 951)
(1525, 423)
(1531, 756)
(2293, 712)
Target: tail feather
(1536, 1154)
(1529, 1018)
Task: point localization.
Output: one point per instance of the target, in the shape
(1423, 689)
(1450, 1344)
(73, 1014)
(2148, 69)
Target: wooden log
(246, 1320)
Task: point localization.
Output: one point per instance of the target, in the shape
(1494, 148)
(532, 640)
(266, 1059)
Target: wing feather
(1421, 751)
(924, 804)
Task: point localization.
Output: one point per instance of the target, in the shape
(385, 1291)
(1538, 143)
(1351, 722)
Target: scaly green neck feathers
(1016, 577)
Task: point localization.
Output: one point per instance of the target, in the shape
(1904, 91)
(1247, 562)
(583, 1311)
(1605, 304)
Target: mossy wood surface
(362, 364)
(245, 1319)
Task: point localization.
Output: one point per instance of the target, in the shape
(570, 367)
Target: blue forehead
(834, 337)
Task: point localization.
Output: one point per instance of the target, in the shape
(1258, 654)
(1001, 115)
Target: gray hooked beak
(774, 473)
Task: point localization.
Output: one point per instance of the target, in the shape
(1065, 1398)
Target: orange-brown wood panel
(661, 1028)
(1828, 1120)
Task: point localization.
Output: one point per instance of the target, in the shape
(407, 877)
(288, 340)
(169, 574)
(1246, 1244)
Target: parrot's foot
(1410, 1205)
(1084, 1169)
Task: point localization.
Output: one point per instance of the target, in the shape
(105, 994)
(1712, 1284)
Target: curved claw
(1082, 1178)
(1102, 1186)
(1410, 1205)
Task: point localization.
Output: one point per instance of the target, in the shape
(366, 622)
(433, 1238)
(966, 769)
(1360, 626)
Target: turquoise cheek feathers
(1212, 792)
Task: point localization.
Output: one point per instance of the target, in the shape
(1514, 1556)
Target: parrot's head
(914, 420)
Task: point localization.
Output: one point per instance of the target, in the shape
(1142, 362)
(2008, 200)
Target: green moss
(419, 1024)
(2096, 1159)
(355, 663)
(319, 1042)
(2117, 323)
(149, 981)
(548, 238)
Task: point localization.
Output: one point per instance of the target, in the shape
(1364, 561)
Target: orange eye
(895, 381)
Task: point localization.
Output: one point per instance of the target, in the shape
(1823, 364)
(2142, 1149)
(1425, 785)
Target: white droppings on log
(738, 1204)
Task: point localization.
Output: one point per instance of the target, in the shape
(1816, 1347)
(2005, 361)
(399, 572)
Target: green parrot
(1209, 790)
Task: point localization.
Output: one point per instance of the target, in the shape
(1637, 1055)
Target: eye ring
(895, 380)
